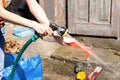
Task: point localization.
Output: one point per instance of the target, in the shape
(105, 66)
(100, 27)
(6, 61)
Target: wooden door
(94, 17)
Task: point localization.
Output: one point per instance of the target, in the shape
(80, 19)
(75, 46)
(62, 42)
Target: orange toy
(87, 51)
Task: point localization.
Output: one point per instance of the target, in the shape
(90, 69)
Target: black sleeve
(22, 5)
(21, 8)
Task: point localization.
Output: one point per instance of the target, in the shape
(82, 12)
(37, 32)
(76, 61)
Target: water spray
(62, 31)
(73, 42)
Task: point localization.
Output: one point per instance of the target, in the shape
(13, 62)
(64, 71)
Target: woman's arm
(14, 18)
(40, 15)
(37, 11)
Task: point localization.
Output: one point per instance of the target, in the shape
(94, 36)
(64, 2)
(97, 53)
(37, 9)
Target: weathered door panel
(93, 17)
(100, 11)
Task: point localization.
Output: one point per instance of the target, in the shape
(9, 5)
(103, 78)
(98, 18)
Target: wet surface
(63, 70)
(105, 58)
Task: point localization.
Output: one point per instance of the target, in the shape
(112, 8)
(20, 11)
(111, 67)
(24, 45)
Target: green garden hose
(62, 31)
(32, 39)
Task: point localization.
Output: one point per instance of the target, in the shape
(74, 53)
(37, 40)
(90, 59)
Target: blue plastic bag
(27, 69)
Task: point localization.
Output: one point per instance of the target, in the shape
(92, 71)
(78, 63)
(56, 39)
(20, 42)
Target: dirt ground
(59, 62)
(57, 70)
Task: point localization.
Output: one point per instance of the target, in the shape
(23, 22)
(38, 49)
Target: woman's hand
(43, 29)
(59, 39)
(66, 40)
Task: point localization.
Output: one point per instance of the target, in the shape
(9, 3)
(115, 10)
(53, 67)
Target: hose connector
(62, 31)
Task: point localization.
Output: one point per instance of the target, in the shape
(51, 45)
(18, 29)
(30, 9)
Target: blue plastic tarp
(27, 69)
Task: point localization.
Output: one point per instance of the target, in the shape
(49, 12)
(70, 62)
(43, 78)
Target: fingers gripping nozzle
(62, 31)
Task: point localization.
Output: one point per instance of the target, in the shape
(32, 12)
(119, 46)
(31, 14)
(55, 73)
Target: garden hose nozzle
(62, 31)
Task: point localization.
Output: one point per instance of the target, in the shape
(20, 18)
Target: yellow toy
(81, 75)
